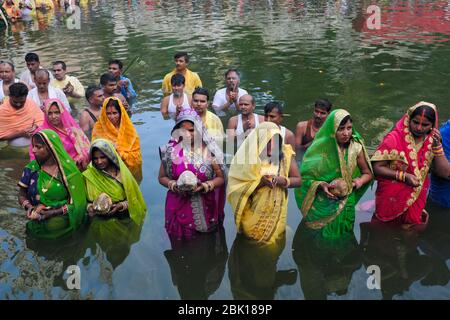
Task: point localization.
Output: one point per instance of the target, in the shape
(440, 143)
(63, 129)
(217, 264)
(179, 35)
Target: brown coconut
(339, 188)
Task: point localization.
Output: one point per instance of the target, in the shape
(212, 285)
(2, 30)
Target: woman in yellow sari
(260, 173)
(115, 125)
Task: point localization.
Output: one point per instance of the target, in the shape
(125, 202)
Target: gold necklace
(418, 146)
(44, 190)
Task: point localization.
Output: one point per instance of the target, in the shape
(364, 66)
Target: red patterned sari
(395, 200)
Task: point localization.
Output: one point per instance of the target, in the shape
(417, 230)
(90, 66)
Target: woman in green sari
(108, 174)
(335, 171)
(52, 189)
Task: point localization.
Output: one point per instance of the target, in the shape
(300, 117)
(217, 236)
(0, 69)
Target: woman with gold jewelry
(193, 171)
(336, 172)
(52, 189)
(401, 165)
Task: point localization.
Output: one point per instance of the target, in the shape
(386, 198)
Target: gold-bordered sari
(261, 213)
(325, 161)
(393, 198)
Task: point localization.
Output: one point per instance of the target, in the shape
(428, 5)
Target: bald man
(241, 125)
(44, 90)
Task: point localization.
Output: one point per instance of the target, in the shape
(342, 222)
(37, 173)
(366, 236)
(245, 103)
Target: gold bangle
(25, 203)
(438, 151)
(288, 182)
(171, 184)
(402, 176)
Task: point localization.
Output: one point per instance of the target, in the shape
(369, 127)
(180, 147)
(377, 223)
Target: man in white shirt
(226, 98)
(44, 90)
(7, 78)
(33, 65)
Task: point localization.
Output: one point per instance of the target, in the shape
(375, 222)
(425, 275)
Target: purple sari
(186, 215)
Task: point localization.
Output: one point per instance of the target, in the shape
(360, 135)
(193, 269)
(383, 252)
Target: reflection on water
(410, 262)
(253, 269)
(293, 51)
(395, 251)
(325, 266)
(423, 21)
(198, 265)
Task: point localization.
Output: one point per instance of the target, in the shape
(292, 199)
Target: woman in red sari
(401, 165)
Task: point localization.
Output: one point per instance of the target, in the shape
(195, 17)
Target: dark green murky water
(294, 51)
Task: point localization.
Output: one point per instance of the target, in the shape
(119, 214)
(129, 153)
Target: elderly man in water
(227, 98)
(241, 125)
(44, 90)
(7, 78)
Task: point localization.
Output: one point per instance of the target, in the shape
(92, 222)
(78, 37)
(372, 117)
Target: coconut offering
(339, 188)
(102, 205)
(187, 181)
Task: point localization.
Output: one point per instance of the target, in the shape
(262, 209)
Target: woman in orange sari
(401, 165)
(115, 125)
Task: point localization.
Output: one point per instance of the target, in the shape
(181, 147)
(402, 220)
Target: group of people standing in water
(80, 170)
(334, 173)
(72, 178)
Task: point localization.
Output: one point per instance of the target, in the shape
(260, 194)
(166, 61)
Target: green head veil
(73, 181)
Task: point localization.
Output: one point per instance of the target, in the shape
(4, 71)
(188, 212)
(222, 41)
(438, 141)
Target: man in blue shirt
(115, 67)
(440, 187)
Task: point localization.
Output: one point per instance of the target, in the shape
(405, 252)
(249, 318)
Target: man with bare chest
(306, 130)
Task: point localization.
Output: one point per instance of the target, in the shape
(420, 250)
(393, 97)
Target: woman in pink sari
(401, 165)
(75, 142)
(201, 209)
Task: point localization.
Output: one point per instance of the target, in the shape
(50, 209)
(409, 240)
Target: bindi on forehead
(422, 117)
(422, 120)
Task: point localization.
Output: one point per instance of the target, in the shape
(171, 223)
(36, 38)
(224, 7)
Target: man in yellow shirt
(192, 79)
(68, 84)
